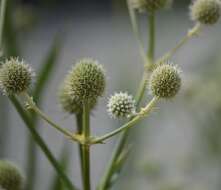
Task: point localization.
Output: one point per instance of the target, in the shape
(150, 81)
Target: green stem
(133, 19)
(148, 62)
(151, 49)
(191, 33)
(32, 105)
(2, 19)
(86, 147)
(143, 113)
(80, 146)
(28, 123)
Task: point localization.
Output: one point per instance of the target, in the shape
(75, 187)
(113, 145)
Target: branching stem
(190, 34)
(32, 106)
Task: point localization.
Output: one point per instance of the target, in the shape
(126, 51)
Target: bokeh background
(177, 148)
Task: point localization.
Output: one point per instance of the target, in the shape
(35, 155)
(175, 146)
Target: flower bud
(165, 81)
(121, 105)
(206, 11)
(15, 76)
(86, 80)
(10, 176)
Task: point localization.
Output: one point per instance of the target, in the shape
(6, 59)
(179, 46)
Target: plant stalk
(2, 21)
(28, 123)
(105, 181)
(86, 147)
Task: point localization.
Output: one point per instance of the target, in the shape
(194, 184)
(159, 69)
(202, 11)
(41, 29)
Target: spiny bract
(70, 103)
(165, 81)
(86, 80)
(15, 76)
(149, 5)
(121, 105)
(206, 11)
(10, 176)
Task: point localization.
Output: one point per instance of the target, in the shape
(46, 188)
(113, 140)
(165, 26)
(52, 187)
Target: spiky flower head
(206, 11)
(165, 81)
(72, 104)
(15, 76)
(121, 105)
(149, 5)
(10, 176)
(87, 80)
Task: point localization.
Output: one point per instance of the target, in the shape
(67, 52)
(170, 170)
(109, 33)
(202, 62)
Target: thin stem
(190, 34)
(148, 62)
(80, 146)
(28, 123)
(86, 147)
(32, 105)
(133, 19)
(2, 19)
(151, 49)
(143, 113)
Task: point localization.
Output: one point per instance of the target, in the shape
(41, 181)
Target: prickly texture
(15, 76)
(10, 176)
(206, 11)
(165, 81)
(72, 104)
(149, 5)
(86, 80)
(121, 105)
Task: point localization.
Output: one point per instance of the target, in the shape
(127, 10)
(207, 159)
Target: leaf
(30, 125)
(64, 161)
(46, 69)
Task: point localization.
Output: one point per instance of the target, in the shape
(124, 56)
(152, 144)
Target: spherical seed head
(206, 11)
(15, 76)
(72, 104)
(10, 176)
(149, 5)
(165, 81)
(87, 80)
(121, 105)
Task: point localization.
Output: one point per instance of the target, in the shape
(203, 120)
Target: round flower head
(10, 176)
(70, 103)
(149, 5)
(206, 11)
(87, 80)
(165, 81)
(121, 105)
(15, 76)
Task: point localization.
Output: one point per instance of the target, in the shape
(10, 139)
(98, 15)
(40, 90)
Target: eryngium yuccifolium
(149, 5)
(206, 11)
(165, 81)
(121, 105)
(87, 80)
(15, 76)
(10, 176)
(70, 103)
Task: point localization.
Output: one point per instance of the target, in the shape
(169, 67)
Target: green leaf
(46, 69)
(30, 125)
(64, 161)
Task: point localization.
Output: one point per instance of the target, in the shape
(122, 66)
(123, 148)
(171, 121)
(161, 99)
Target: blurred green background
(177, 148)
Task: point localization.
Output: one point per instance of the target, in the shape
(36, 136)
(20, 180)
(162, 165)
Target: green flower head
(15, 76)
(10, 176)
(165, 81)
(86, 81)
(206, 11)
